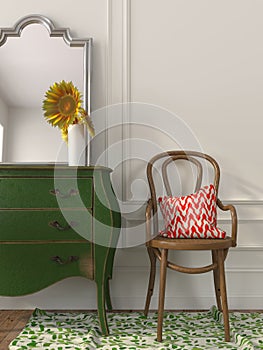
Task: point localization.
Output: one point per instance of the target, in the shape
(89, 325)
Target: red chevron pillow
(192, 216)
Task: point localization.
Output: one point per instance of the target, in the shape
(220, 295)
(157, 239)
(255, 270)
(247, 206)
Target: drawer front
(45, 192)
(27, 268)
(19, 225)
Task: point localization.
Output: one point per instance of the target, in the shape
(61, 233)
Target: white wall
(3, 112)
(202, 61)
(3, 121)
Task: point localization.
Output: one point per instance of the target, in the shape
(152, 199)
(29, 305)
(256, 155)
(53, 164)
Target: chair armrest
(148, 211)
(232, 209)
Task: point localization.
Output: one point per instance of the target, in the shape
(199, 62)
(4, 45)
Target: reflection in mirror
(34, 55)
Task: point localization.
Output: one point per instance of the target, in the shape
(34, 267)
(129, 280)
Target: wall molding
(138, 213)
(118, 52)
(246, 248)
(126, 67)
(126, 92)
(242, 202)
(118, 77)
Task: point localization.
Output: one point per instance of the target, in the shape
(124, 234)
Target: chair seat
(190, 243)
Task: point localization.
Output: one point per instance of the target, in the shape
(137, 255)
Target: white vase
(76, 145)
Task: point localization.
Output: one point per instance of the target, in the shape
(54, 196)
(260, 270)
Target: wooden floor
(11, 324)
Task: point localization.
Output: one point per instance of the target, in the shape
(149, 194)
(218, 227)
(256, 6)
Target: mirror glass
(30, 62)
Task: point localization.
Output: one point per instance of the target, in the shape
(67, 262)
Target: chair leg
(163, 268)
(151, 280)
(216, 280)
(221, 259)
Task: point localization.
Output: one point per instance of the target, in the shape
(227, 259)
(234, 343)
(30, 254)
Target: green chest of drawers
(57, 222)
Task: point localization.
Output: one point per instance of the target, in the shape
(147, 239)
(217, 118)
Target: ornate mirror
(33, 55)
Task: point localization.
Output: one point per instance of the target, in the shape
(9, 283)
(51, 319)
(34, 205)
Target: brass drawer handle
(59, 227)
(57, 192)
(60, 261)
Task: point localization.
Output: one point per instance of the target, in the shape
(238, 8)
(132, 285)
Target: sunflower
(62, 106)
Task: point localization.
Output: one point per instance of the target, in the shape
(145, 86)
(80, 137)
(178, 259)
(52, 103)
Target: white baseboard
(191, 303)
(130, 303)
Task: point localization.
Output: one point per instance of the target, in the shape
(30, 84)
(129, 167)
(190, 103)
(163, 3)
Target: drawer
(27, 268)
(45, 225)
(44, 192)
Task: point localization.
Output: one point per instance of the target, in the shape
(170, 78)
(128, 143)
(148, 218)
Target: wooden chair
(158, 246)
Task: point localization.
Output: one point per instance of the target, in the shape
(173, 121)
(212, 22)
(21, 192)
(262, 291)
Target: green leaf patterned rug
(181, 330)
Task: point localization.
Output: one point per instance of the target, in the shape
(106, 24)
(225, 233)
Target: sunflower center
(67, 105)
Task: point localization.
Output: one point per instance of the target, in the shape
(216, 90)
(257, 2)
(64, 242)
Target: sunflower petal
(62, 107)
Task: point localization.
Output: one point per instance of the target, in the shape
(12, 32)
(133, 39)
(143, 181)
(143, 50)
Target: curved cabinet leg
(101, 307)
(107, 294)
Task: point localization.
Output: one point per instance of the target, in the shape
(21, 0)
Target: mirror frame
(64, 33)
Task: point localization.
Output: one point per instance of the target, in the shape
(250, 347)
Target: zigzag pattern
(192, 216)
